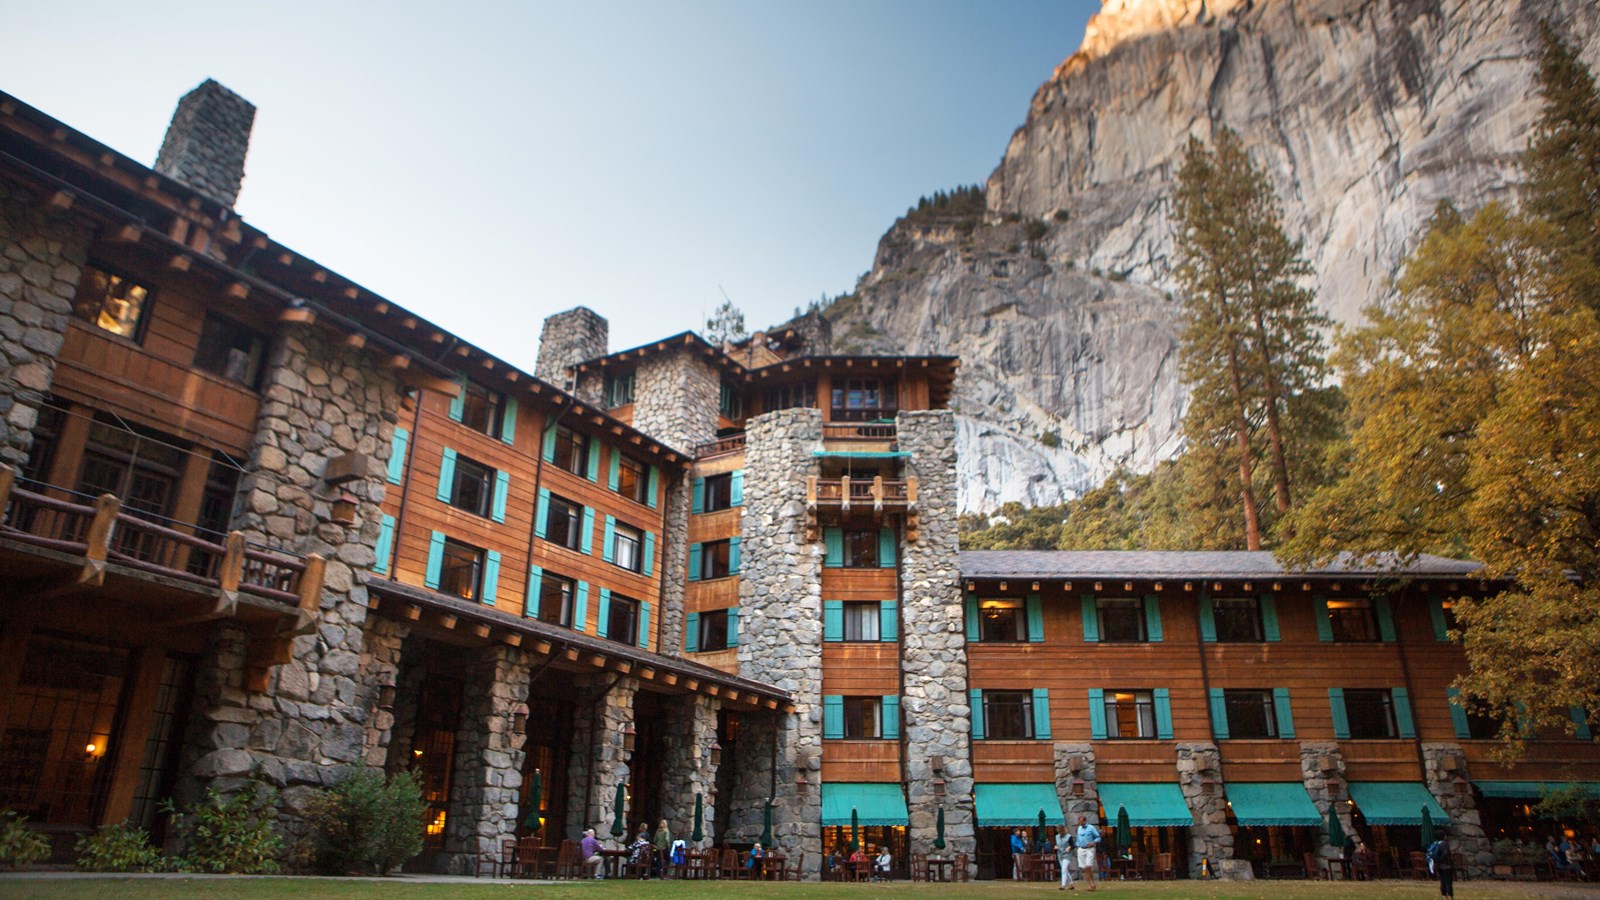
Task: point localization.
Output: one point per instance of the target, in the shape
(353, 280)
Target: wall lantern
(801, 784)
(716, 753)
(386, 696)
(519, 721)
(1003, 586)
(344, 509)
(1036, 586)
(1334, 788)
(1077, 787)
(1463, 786)
(938, 788)
(628, 735)
(936, 763)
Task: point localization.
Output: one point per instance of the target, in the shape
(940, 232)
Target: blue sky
(487, 164)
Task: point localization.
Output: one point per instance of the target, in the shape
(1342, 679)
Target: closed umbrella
(1427, 828)
(618, 829)
(699, 834)
(535, 798)
(1335, 829)
(766, 825)
(1124, 831)
(855, 828)
(938, 840)
(1038, 836)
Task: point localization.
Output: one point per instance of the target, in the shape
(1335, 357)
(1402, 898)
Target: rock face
(1365, 113)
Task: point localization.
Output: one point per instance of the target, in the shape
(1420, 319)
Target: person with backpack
(1441, 864)
(1064, 848)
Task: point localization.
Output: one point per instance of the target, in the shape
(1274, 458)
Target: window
(861, 621)
(1121, 620)
(633, 480)
(1008, 715)
(1481, 725)
(1130, 714)
(112, 302)
(713, 631)
(481, 408)
(472, 487)
(628, 543)
(861, 549)
(571, 451)
(1238, 619)
(792, 396)
(622, 622)
(719, 492)
(715, 557)
(1369, 712)
(461, 570)
(863, 399)
(563, 523)
(1251, 714)
(1352, 620)
(1002, 620)
(618, 390)
(732, 402)
(555, 600)
(230, 350)
(861, 717)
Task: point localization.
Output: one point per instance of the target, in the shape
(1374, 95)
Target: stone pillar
(1442, 764)
(599, 764)
(674, 566)
(676, 399)
(933, 646)
(780, 631)
(41, 259)
(206, 143)
(1074, 763)
(488, 759)
(569, 338)
(1200, 779)
(692, 723)
(1322, 763)
(380, 669)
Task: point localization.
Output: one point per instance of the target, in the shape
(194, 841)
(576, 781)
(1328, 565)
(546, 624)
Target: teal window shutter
(1458, 714)
(886, 548)
(650, 487)
(508, 421)
(697, 500)
(588, 531)
(397, 454)
(1219, 714)
(889, 621)
(832, 716)
(608, 544)
(833, 620)
(1152, 617)
(491, 576)
(1269, 618)
(385, 546)
(614, 471)
(502, 488)
(1385, 618)
(1580, 723)
(435, 559)
(1284, 712)
(833, 542)
(1097, 714)
(1441, 627)
(694, 562)
(549, 450)
(975, 697)
(1041, 714)
(1208, 621)
(447, 475)
(1324, 624)
(1163, 700)
(972, 618)
(1091, 620)
(649, 553)
(691, 633)
(530, 605)
(1403, 721)
(1034, 612)
(733, 556)
(580, 613)
(733, 626)
(458, 403)
(1341, 722)
(542, 513)
(891, 718)
(736, 488)
(594, 459)
(644, 624)
(603, 619)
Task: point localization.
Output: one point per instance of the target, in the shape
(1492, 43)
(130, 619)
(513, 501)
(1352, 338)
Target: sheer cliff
(1058, 299)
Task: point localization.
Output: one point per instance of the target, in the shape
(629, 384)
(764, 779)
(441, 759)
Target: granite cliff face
(1365, 112)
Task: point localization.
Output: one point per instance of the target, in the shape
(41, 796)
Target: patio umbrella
(699, 834)
(1335, 829)
(1124, 831)
(535, 798)
(1038, 836)
(1427, 828)
(938, 840)
(618, 828)
(855, 827)
(766, 825)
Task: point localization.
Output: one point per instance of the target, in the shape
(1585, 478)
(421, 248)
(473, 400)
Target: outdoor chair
(961, 870)
(796, 869)
(1163, 868)
(861, 870)
(1313, 866)
(1419, 865)
(729, 867)
(919, 867)
(500, 864)
(525, 859)
(569, 860)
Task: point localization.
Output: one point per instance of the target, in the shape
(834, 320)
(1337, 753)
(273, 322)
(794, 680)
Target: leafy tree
(726, 324)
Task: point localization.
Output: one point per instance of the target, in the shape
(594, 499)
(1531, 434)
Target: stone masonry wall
(1200, 779)
(382, 648)
(206, 143)
(674, 564)
(1075, 762)
(692, 724)
(569, 338)
(599, 764)
(676, 398)
(1442, 764)
(488, 759)
(41, 259)
(1321, 764)
(933, 649)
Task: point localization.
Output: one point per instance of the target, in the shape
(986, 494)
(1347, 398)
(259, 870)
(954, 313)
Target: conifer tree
(1562, 164)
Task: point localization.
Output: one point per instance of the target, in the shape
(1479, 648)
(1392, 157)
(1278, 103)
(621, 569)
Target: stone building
(260, 522)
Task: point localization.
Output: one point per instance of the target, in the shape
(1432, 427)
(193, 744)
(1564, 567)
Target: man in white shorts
(1088, 839)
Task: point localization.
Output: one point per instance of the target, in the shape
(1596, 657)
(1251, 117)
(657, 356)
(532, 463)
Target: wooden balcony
(723, 446)
(876, 496)
(876, 432)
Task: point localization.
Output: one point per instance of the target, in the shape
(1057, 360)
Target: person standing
(1442, 863)
(1088, 840)
(1064, 859)
(1018, 848)
(663, 847)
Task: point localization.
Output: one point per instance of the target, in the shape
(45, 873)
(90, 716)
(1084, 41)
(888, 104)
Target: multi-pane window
(481, 408)
(555, 600)
(861, 621)
(632, 480)
(719, 492)
(860, 548)
(791, 396)
(622, 623)
(230, 350)
(1369, 712)
(1008, 715)
(861, 717)
(472, 487)
(1251, 714)
(713, 630)
(571, 451)
(461, 570)
(1130, 714)
(1238, 619)
(1352, 620)
(1121, 620)
(864, 399)
(628, 547)
(1002, 620)
(732, 402)
(715, 559)
(563, 523)
(112, 302)
(618, 390)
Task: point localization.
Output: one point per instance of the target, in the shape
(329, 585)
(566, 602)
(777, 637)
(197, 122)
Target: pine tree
(726, 324)
(1562, 163)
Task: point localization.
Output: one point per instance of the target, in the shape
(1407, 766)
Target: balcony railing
(877, 432)
(845, 494)
(722, 446)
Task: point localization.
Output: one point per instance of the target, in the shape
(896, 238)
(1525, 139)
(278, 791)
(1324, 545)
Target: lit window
(555, 600)
(461, 570)
(111, 302)
(632, 481)
(1352, 620)
(1130, 714)
(1002, 621)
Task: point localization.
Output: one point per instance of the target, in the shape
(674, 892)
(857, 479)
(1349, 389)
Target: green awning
(1395, 802)
(1148, 804)
(1272, 803)
(1018, 805)
(875, 804)
(861, 454)
(1531, 790)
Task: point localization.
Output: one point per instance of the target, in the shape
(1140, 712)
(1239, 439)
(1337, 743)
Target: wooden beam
(571, 654)
(398, 361)
(542, 648)
(478, 630)
(648, 673)
(770, 703)
(230, 572)
(98, 540)
(413, 611)
(597, 659)
(285, 259)
(320, 276)
(237, 290)
(691, 684)
(297, 316)
(446, 621)
(511, 638)
(178, 263)
(127, 234)
(352, 292)
(355, 341)
(8, 480)
(669, 678)
(60, 200)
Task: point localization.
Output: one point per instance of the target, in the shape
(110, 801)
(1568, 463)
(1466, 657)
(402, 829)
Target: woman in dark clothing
(1443, 863)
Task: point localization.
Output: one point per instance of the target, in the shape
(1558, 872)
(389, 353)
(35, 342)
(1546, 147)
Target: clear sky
(487, 164)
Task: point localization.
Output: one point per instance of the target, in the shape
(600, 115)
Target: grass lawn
(125, 888)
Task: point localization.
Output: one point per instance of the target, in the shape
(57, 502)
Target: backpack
(1438, 854)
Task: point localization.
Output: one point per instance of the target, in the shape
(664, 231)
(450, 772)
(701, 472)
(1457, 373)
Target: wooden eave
(939, 370)
(694, 343)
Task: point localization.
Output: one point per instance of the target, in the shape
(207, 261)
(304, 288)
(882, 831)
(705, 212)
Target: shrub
(1061, 215)
(1051, 438)
(20, 845)
(1035, 229)
(118, 848)
(366, 824)
(233, 834)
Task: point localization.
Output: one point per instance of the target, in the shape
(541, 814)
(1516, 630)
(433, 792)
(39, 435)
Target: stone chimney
(570, 338)
(207, 141)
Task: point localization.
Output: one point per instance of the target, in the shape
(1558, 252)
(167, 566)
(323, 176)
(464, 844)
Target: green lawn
(124, 888)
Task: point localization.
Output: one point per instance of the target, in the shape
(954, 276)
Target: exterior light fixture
(344, 509)
(1077, 787)
(1462, 786)
(386, 696)
(716, 753)
(801, 784)
(628, 735)
(519, 721)
(938, 788)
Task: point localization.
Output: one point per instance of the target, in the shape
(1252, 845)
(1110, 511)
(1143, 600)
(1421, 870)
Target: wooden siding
(999, 762)
(849, 761)
(860, 584)
(860, 669)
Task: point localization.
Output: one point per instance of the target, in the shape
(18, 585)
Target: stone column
(380, 669)
(1211, 838)
(674, 566)
(1074, 763)
(676, 397)
(692, 722)
(488, 759)
(599, 764)
(933, 647)
(1442, 764)
(1322, 763)
(569, 338)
